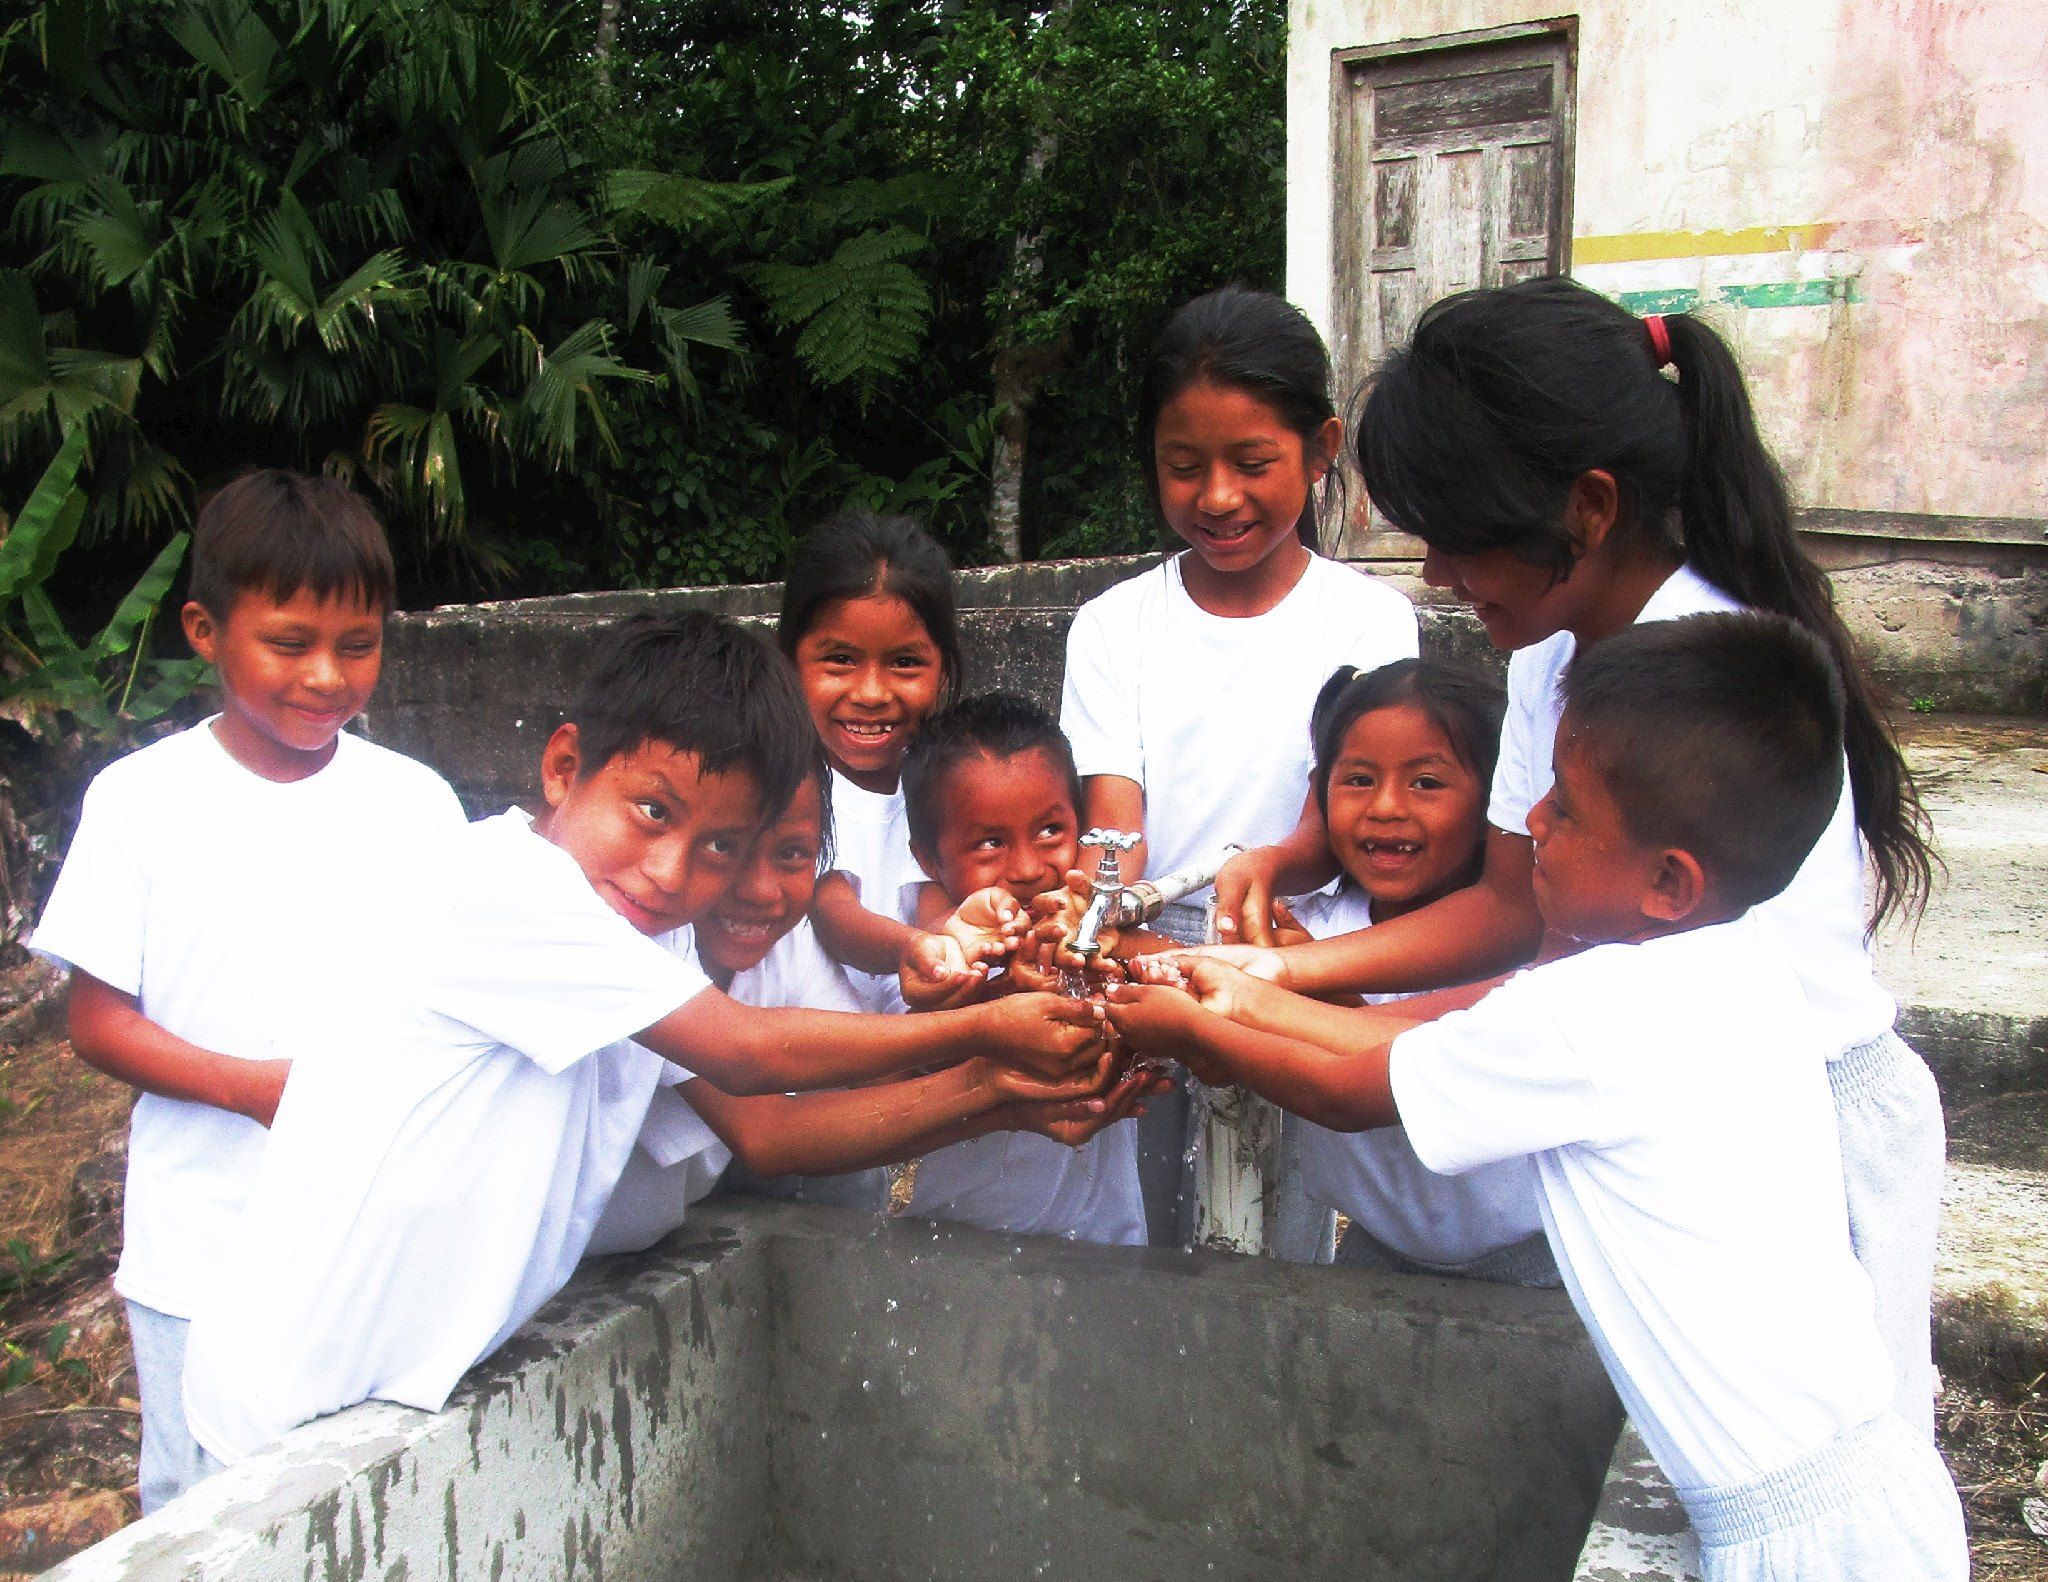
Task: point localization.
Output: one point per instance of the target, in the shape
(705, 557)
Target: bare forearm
(1346, 1091)
(863, 940)
(1474, 933)
(826, 1133)
(110, 1033)
(1301, 861)
(777, 1050)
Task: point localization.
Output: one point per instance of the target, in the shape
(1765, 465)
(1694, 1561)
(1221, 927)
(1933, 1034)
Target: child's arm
(1237, 995)
(747, 1049)
(1346, 1092)
(1249, 883)
(824, 1133)
(851, 934)
(1486, 928)
(1113, 802)
(110, 1034)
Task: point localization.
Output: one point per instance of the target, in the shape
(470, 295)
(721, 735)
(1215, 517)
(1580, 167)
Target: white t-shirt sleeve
(1099, 699)
(531, 958)
(95, 919)
(1494, 1082)
(1528, 732)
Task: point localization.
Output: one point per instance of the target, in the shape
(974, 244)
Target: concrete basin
(789, 1392)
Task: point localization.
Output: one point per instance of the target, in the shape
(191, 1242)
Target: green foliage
(48, 679)
(642, 320)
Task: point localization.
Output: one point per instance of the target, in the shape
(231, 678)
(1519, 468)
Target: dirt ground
(68, 1417)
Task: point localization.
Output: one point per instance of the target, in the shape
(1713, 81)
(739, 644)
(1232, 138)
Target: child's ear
(200, 630)
(1590, 510)
(1328, 445)
(1678, 889)
(560, 762)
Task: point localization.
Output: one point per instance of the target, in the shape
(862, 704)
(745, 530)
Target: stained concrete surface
(782, 1391)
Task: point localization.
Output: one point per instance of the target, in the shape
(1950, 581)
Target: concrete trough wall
(784, 1392)
(474, 690)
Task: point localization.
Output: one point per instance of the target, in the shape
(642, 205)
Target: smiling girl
(1404, 755)
(867, 619)
(1575, 470)
(1188, 687)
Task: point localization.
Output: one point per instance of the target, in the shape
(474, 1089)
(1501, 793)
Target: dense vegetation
(619, 294)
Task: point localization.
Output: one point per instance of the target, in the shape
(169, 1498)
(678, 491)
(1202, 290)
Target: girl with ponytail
(1573, 470)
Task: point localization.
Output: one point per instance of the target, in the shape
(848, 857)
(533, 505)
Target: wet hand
(936, 973)
(1254, 961)
(1075, 1123)
(1046, 1035)
(987, 925)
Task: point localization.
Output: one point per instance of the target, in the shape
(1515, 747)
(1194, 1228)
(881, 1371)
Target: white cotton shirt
(1210, 714)
(679, 1158)
(1374, 1179)
(1818, 920)
(444, 1147)
(1674, 1098)
(223, 902)
(1031, 1185)
(871, 846)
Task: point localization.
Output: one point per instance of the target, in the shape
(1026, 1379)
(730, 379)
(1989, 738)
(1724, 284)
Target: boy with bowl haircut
(1668, 1085)
(993, 804)
(216, 875)
(448, 1140)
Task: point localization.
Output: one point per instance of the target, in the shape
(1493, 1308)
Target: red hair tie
(1660, 339)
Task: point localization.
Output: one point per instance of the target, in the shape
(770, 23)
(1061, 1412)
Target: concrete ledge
(783, 1391)
(1639, 1532)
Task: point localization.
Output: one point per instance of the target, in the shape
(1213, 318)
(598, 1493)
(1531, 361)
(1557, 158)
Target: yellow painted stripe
(1639, 245)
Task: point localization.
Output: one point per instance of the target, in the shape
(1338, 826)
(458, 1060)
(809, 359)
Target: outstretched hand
(1056, 918)
(1046, 1035)
(1245, 896)
(1078, 1123)
(936, 974)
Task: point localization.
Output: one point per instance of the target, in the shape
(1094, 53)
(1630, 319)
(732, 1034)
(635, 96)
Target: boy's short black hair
(700, 684)
(276, 532)
(993, 725)
(1719, 735)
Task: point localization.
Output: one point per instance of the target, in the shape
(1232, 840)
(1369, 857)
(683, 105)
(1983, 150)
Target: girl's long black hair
(1472, 436)
(1244, 340)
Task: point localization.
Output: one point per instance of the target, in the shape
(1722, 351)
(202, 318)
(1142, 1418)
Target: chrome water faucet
(1108, 892)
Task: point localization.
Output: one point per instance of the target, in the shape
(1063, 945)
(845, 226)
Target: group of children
(804, 915)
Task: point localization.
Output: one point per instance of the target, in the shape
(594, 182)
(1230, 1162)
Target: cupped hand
(1254, 961)
(987, 925)
(1046, 1035)
(936, 973)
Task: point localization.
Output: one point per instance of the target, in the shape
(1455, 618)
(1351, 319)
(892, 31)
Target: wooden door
(1452, 164)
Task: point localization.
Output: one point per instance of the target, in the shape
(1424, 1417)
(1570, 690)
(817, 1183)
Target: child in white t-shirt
(1669, 1087)
(755, 942)
(992, 797)
(217, 875)
(455, 1123)
(1404, 754)
(867, 619)
(1188, 687)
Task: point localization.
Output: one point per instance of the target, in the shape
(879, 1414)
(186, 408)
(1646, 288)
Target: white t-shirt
(871, 846)
(679, 1158)
(1032, 1185)
(1818, 920)
(1210, 713)
(1374, 1178)
(1674, 1097)
(222, 901)
(444, 1147)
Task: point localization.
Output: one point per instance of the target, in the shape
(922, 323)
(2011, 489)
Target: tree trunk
(1014, 391)
(607, 40)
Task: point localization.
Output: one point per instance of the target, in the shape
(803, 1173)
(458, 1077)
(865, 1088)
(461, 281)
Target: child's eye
(1053, 832)
(288, 645)
(1358, 782)
(1429, 783)
(798, 859)
(654, 812)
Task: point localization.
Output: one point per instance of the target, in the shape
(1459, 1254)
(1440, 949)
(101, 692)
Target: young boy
(1669, 1087)
(216, 873)
(992, 801)
(453, 1127)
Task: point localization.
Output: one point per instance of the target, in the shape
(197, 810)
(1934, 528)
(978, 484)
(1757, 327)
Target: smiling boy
(216, 874)
(450, 1135)
(1668, 1088)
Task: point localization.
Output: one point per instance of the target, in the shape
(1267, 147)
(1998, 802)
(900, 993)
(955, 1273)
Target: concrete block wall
(474, 690)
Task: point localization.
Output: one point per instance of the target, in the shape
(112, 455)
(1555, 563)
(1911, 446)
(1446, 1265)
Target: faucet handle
(1112, 839)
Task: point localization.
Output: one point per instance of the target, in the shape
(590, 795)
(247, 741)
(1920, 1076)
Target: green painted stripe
(1771, 294)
